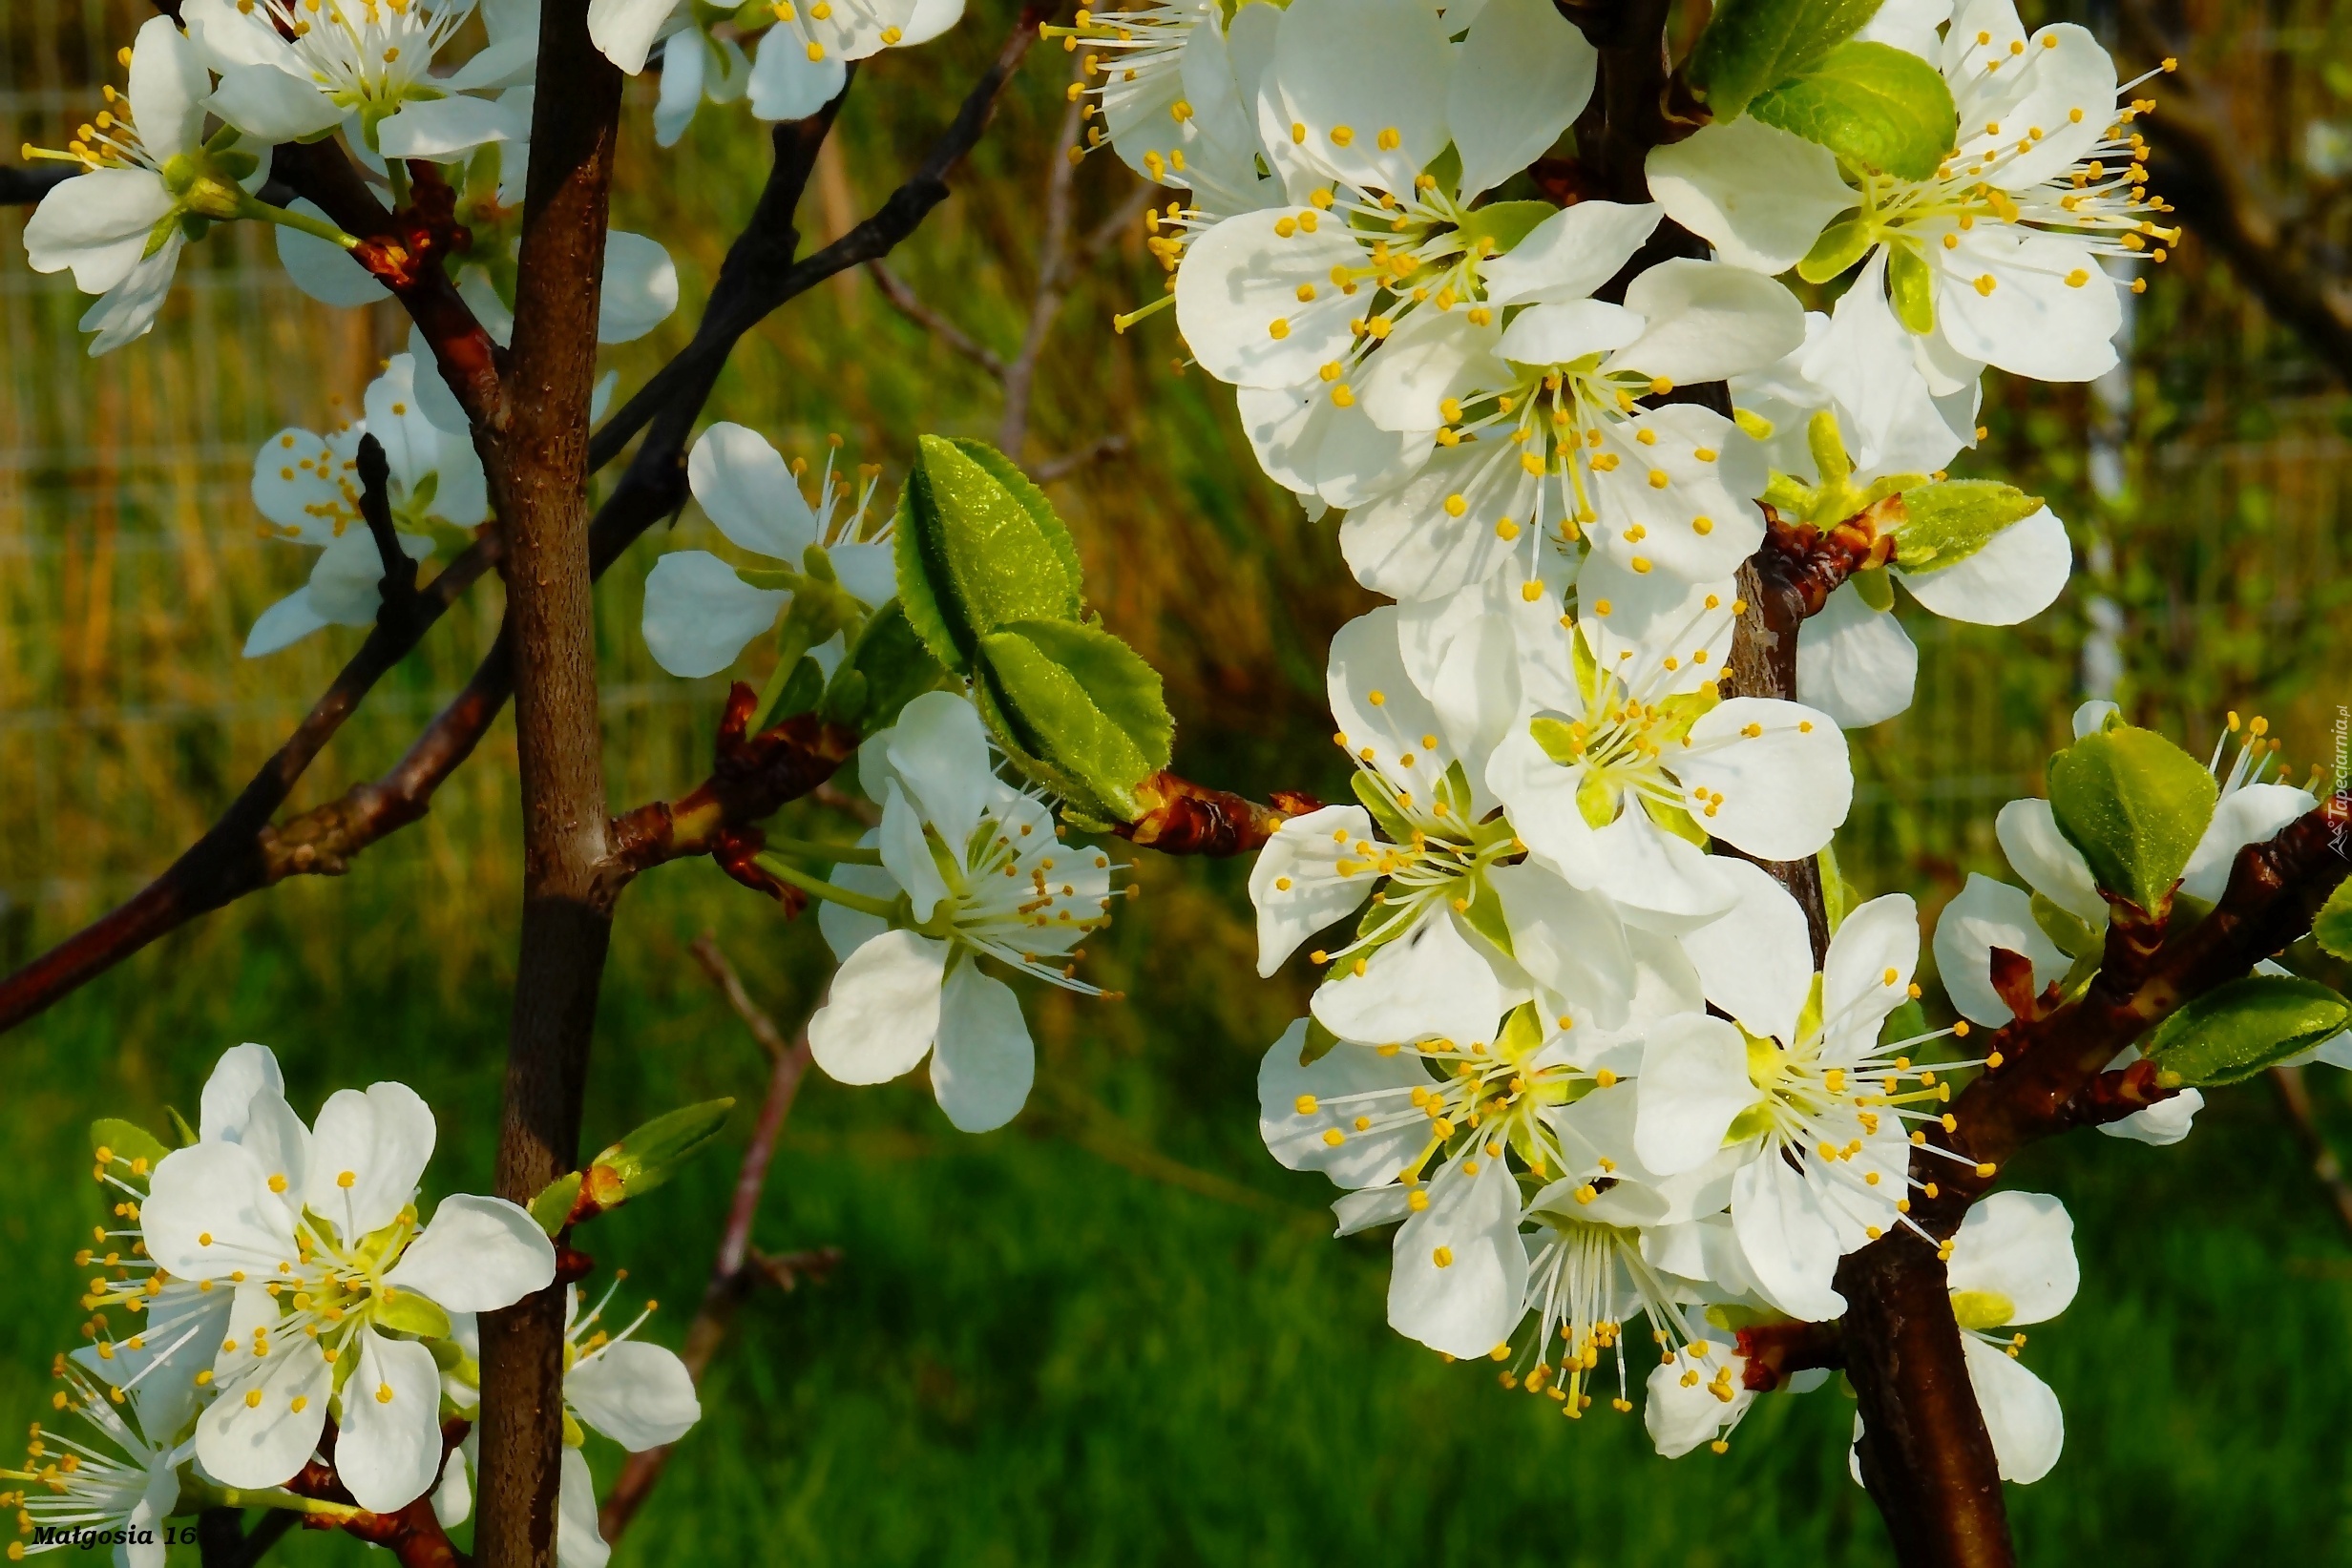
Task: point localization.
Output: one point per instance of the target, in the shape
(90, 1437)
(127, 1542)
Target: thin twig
(1053, 262)
(1069, 463)
(398, 584)
(907, 303)
(738, 1264)
(2294, 1099)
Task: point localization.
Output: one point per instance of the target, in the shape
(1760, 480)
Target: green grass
(1030, 1354)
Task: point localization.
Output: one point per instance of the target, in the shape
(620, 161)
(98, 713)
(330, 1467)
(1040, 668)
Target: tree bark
(541, 464)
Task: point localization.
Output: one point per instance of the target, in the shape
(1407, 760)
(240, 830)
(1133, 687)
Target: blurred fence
(130, 565)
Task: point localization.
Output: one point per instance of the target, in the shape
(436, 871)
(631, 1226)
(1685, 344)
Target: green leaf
(126, 1141)
(179, 1127)
(1911, 289)
(1873, 105)
(1946, 522)
(2069, 931)
(1081, 707)
(887, 668)
(2134, 805)
(651, 1155)
(2333, 928)
(1840, 245)
(405, 1312)
(1875, 587)
(553, 1207)
(1317, 1044)
(2235, 1031)
(1751, 44)
(976, 547)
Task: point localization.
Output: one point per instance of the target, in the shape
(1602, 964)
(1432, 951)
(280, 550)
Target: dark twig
(738, 1264)
(2209, 190)
(22, 187)
(398, 584)
(2295, 1100)
(907, 303)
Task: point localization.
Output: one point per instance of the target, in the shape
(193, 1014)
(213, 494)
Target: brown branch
(1069, 463)
(540, 458)
(1182, 818)
(2295, 1100)
(397, 587)
(2207, 188)
(907, 303)
(738, 1264)
(241, 853)
(751, 777)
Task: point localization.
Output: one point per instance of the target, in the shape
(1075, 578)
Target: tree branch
(737, 1266)
(907, 303)
(540, 468)
(1182, 818)
(2206, 188)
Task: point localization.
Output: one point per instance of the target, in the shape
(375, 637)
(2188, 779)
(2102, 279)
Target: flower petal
(1302, 1106)
(639, 289)
(579, 1537)
(700, 616)
(984, 1064)
(283, 624)
(1756, 961)
(883, 1013)
(369, 1151)
(1866, 973)
(745, 488)
(1693, 1084)
(2028, 831)
(1787, 1238)
(2015, 576)
(1708, 321)
(2022, 1415)
(1781, 771)
(625, 29)
(1297, 883)
(2020, 1246)
(1571, 253)
(1985, 914)
(271, 105)
(1522, 74)
(640, 1395)
(1458, 1281)
(96, 223)
(1372, 68)
(243, 1442)
(210, 1212)
(1428, 984)
(2250, 814)
(1855, 663)
(388, 1450)
(478, 1255)
(1760, 194)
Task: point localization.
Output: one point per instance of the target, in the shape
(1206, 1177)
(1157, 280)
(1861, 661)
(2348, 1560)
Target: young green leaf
(1873, 105)
(1080, 705)
(2333, 928)
(887, 668)
(1946, 522)
(1751, 44)
(2235, 1031)
(405, 1312)
(648, 1156)
(552, 1208)
(977, 546)
(2135, 806)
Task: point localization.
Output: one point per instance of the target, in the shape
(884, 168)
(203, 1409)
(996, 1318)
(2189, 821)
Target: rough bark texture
(542, 467)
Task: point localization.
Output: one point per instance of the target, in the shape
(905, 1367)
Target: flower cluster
(1573, 1043)
(272, 1276)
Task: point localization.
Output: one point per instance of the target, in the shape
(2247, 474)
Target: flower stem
(783, 870)
(318, 228)
(840, 854)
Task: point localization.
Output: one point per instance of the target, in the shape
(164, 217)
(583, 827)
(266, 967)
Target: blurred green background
(1115, 1332)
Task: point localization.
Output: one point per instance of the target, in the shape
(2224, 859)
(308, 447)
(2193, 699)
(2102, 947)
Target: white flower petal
(1788, 1239)
(640, 1395)
(368, 1150)
(1855, 663)
(1238, 298)
(580, 1538)
(2028, 831)
(447, 128)
(1572, 943)
(984, 1064)
(1555, 334)
(1866, 973)
(883, 1012)
(2250, 814)
(1570, 254)
(210, 1212)
(1458, 1281)
(1786, 787)
(1985, 914)
(1297, 885)
(1338, 1085)
(625, 29)
(1708, 321)
(1428, 984)
(265, 1444)
(1524, 73)
(166, 87)
(388, 1450)
(129, 309)
(745, 488)
(2164, 1124)
(2015, 576)
(639, 289)
(283, 624)
(941, 750)
(96, 223)
(323, 271)
(271, 105)
(2021, 1414)
(1756, 961)
(1693, 1084)
(1760, 194)
(700, 616)
(2020, 1246)
(1373, 66)
(478, 1255)
(2030, 322)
